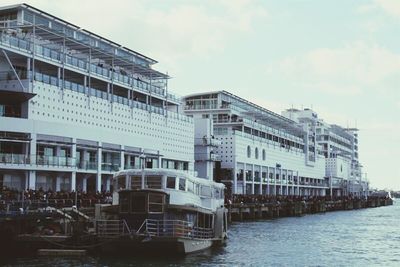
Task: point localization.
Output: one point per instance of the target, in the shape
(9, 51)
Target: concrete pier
(277, 209)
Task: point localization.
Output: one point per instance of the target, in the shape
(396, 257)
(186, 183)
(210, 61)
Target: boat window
(138, 203)
(123, 203)
(156, 203)
(205, 191)
(136, 182)
(121, 182)
(182, 184)
(153, 182)
(216, 192)
(190, 186)
(171, 182)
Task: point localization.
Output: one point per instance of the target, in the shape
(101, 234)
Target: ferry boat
(162, 210)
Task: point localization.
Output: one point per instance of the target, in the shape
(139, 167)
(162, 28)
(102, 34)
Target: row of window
(256, 153)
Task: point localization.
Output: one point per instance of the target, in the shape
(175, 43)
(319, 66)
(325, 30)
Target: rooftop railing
(98, 70)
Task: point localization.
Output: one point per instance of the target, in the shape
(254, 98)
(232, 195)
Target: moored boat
(162, 210)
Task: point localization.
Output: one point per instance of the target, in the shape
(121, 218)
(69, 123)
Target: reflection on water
(345, 238)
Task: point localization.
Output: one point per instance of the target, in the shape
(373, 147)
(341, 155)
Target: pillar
(99, 161)
(73, 181)
(84, 184)
(122, 159)
(108, 183)
(252, 179)
(58, 183)
(32, 180)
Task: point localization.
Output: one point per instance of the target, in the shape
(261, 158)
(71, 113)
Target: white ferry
(161, 210)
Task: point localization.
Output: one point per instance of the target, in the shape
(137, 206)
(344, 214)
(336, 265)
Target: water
(368, 237)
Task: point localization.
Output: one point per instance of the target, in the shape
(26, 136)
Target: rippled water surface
(368, 237)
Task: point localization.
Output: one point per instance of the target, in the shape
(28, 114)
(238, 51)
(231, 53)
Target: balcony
(87, 165)
(19, 159)
(111, 167)
(55, 161)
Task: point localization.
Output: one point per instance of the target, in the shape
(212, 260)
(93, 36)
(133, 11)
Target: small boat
(162, 211)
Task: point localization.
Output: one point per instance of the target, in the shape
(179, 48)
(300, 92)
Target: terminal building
(339, 146)
(257, 151)
(76, 107)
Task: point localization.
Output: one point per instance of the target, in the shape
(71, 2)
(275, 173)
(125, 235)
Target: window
(182, 184)
(248, 151)
(153, 182)
(256, 152)
(171, 182)
(205, 191)
(263, 154)
(156, 203)
(136, 182)
(190, 186)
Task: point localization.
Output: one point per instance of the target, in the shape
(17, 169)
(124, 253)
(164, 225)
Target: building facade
(339, 146)
(258, 151)
(76, 107)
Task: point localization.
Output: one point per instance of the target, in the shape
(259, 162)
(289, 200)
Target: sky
(339, 57)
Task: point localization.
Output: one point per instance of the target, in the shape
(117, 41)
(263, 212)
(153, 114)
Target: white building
(76, 107)
(340, 148)
(258, 152)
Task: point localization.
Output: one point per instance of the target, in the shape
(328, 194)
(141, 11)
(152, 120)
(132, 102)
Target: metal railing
(173, 228)
(112, 228)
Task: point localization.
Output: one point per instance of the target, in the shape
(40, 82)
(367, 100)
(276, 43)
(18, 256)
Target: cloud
(391, 7)
(348, 70)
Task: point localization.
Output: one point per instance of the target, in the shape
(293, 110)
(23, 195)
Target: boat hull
(156, 245)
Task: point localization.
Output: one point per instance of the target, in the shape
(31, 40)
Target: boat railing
(112, 228)
(174, 228)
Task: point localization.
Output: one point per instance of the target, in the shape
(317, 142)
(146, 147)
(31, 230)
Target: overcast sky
(340, 57)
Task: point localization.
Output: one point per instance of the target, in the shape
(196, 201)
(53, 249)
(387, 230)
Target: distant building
(76, 107)
(339, 146)
(255, 150)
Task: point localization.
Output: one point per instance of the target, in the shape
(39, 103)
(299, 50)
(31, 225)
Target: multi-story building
(76, 107)
(340, 148)
(258, 152)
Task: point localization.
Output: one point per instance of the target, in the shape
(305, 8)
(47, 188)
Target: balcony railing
(22, 159)
(111, 167)
(87, 165)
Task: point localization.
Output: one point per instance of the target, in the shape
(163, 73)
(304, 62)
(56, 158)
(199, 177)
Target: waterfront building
(76, 107)
(257, 151)
(339, 146)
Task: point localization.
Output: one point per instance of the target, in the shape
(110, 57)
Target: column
(84, 184)
(244, 178)
(73, 181)
(280, 181)
(58, 183)
(122, 159)
(108, 183)
(32, 180)
(99, 161)
(28, 68)
(274, 181)
(267, 169)
(235, 171)
(252, 179)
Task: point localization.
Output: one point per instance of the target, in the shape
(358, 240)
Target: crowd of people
(8, 195)
(265, 199)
